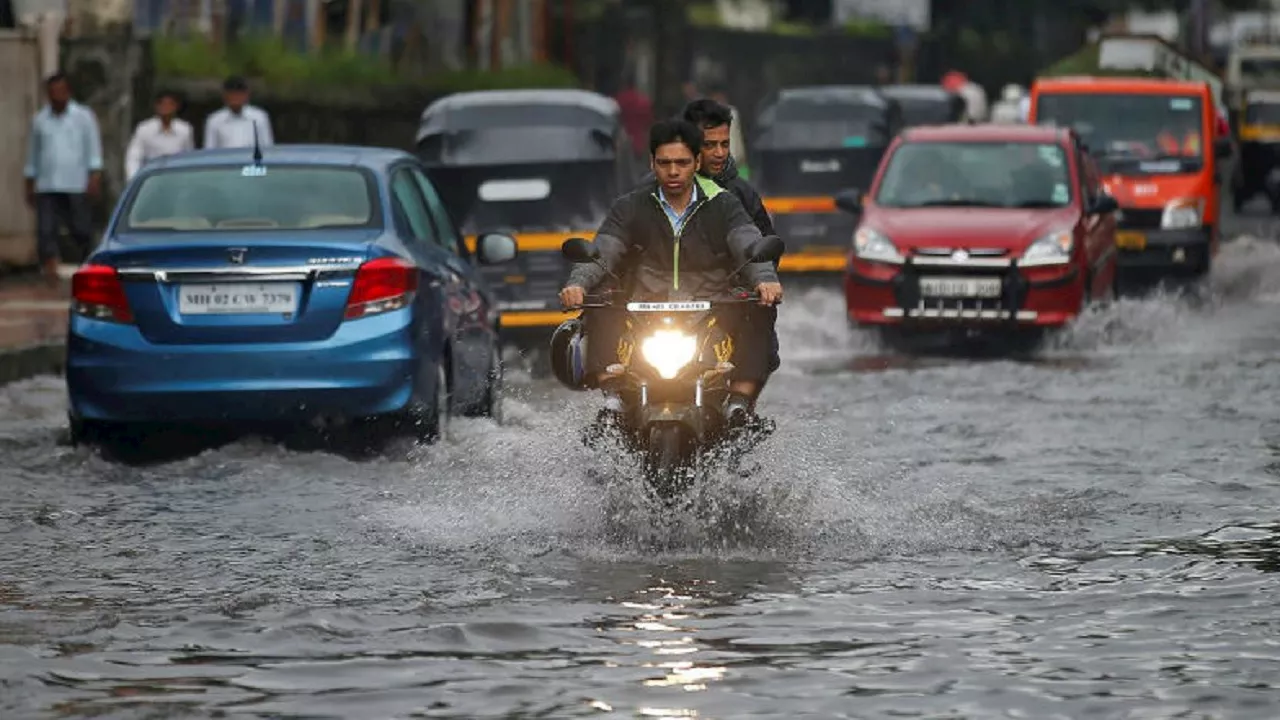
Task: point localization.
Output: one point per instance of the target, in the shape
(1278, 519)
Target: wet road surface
(1089, 533)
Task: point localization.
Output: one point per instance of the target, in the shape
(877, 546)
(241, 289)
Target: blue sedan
(298, 285)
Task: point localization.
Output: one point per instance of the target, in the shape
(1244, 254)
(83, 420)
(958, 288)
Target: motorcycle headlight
(870, 244)
(1052, 249)
(1181, 214)
(668, 351)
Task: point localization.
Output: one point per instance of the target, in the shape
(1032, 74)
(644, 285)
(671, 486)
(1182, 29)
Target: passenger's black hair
(173, 95)
(707, 113)
(665, 132)
(56, 78)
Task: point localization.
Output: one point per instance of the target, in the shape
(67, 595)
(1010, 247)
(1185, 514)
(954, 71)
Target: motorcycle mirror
(579, 250)
(769, 250)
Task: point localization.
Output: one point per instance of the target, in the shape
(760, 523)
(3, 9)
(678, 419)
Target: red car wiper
(956, 203)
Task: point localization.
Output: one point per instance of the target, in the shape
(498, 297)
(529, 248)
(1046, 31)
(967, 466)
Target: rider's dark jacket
(637, 238)
(730, 180)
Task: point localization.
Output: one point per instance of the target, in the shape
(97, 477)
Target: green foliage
(703, 14)
(268, 59)
(282, 68)
(867, 28)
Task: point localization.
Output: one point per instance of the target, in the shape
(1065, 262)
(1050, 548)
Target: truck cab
(1160, 151)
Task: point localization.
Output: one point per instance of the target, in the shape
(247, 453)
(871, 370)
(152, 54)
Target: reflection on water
(663, 610)
(1256, 545)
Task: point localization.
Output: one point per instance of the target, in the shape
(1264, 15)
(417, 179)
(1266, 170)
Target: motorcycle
(673, 401)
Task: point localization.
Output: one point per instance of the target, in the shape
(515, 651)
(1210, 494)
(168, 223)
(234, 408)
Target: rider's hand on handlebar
(572, 296)
(770, 293)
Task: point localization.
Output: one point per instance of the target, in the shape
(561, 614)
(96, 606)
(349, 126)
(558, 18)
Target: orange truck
(1162, 154)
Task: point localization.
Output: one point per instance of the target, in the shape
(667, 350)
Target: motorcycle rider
(683, 237)
(716, 120)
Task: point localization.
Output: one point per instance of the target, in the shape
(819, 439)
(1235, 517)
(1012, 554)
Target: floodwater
(1092, 532)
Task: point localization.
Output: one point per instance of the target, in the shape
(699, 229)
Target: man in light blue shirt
(63, 172)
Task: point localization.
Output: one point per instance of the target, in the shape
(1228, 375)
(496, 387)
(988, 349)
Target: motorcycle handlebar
(601, 301)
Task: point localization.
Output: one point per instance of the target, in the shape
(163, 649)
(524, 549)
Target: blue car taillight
(98, 293)
(381, 285)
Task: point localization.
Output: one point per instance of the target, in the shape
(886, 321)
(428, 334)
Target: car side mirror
(769, 250)
(1103, 205)
(496, 248)
(1222, 148)
(850, 201)
(579, 251)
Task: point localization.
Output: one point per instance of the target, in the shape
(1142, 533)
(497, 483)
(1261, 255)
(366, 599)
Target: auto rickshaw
(812, 144)
(1259, 170)
(926, 104)
(539, 165)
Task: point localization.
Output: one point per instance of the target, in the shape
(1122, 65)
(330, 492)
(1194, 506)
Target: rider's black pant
(751, 326)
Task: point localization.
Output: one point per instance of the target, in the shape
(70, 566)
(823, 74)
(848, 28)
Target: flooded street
(1089, 533)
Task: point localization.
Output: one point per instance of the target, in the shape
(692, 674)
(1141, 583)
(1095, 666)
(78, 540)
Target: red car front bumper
(1043, 296)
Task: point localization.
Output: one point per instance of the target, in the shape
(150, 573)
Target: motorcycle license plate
(960, 287)
(669, 306)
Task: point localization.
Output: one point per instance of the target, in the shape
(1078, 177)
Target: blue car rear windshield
(296, 197)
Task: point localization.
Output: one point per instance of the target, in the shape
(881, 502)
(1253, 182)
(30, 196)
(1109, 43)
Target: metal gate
(20, 59)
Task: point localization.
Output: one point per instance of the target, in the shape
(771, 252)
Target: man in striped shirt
(63, 172)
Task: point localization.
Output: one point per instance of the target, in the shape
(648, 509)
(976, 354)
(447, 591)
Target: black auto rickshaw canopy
(526, 160)
(541, 165)
(811, 144)
(926, 104)
(821, 140)
(1261, 110)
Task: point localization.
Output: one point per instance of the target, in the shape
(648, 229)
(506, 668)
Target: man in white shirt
(233, 126)
(164, 134)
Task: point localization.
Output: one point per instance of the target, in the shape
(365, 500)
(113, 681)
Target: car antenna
(257, 146)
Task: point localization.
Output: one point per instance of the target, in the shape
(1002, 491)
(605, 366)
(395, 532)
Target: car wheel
(441, 409)
(494, 393)
(86, 432)
(427, 417)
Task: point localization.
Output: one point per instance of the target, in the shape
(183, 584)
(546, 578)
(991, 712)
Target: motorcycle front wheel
(667, 460)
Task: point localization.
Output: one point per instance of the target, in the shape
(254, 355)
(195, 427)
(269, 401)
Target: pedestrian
(164, 134)
(234, 125)
(637, 114)
(63, 173)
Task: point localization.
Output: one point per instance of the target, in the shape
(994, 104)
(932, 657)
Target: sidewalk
(33, 326)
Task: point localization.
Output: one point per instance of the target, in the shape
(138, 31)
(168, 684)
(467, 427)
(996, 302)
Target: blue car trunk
(246, 287)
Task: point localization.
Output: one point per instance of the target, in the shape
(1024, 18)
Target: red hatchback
(980, 226)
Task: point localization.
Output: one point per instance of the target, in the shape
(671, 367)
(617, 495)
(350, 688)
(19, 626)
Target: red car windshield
(986, 174)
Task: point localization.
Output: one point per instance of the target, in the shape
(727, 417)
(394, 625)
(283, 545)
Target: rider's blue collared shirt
(678, 219)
